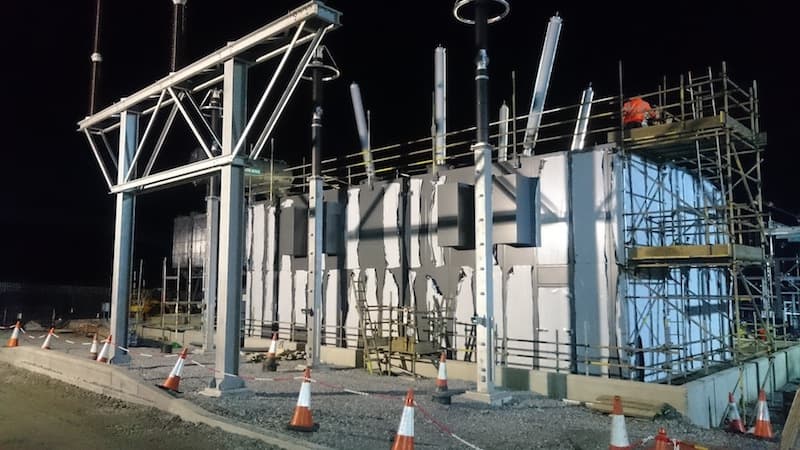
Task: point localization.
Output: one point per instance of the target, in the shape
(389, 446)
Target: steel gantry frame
(186, 92)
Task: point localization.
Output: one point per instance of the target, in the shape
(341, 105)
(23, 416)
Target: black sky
(56, 218)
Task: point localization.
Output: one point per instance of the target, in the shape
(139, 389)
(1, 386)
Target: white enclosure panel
(554, 312)
(519, 316)
(300, 297)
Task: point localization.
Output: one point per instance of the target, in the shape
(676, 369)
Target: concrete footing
(493, 398)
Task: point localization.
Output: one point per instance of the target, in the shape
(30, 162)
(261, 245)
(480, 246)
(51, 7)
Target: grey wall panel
(294, 226)
(456, 215)
(352, 225)
(516, 217)
(391, 224)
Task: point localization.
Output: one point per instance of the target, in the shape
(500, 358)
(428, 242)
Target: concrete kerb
(108, 380)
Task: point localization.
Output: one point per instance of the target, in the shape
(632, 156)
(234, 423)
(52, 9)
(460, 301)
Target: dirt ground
(37, 412)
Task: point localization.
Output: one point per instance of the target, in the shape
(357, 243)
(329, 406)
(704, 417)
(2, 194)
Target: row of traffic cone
(13, 341)
(761, 429)
(302, 419)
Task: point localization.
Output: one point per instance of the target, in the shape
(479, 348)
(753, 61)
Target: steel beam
(311, 10)
(189, 171)
(123, 239)
(231, 232)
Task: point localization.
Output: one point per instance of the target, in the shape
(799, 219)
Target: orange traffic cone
(404, 440)
(302, 420)
(662, 441)
(105, 352)
(270, 363)
(174, 378)
(13, 341)
(46, 344)
(442, 394)
(734, 420)
(619, 434)
(93, 349)
(762, 428)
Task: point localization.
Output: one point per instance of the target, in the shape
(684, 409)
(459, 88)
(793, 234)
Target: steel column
(316, 217)
(482, 150)
(231, 232)
(123, 238)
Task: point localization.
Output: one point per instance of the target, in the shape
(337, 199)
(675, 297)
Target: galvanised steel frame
(185, 93)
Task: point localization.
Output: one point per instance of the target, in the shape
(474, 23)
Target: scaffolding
(695, 236)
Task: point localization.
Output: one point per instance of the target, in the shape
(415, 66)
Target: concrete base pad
(494, 398)
(214, 392)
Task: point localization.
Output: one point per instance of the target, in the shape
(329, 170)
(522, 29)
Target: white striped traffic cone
(93, 349)
(619, 434)
(762, 427)
(302, 420)
(270, 363)
(105, 352)
(442, 394)
(733, 419)
(13, 341)
(174, 378)
(404, 440)
(46, 344)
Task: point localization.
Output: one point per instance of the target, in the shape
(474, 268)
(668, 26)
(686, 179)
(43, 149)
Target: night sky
(56, 218)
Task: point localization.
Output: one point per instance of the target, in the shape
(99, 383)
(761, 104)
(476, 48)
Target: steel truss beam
(307, 24)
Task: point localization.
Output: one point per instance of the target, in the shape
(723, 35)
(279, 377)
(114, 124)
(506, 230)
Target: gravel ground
(349, 420)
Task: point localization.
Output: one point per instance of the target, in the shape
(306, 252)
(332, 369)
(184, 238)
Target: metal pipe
(582, 124)
(363, 134)
(440, 106)
(96, 59)
(178, 34)
(542, 82)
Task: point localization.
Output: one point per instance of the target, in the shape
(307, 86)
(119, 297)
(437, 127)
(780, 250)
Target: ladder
(374, 359)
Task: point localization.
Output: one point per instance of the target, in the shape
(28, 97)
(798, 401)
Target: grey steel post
(582, 124)
(123, 238)
(212, 238)
(502, 139)
(484, 286)
(542, 82)
(231, 233)
(316, 217)
(440, 107)
(482, 151)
